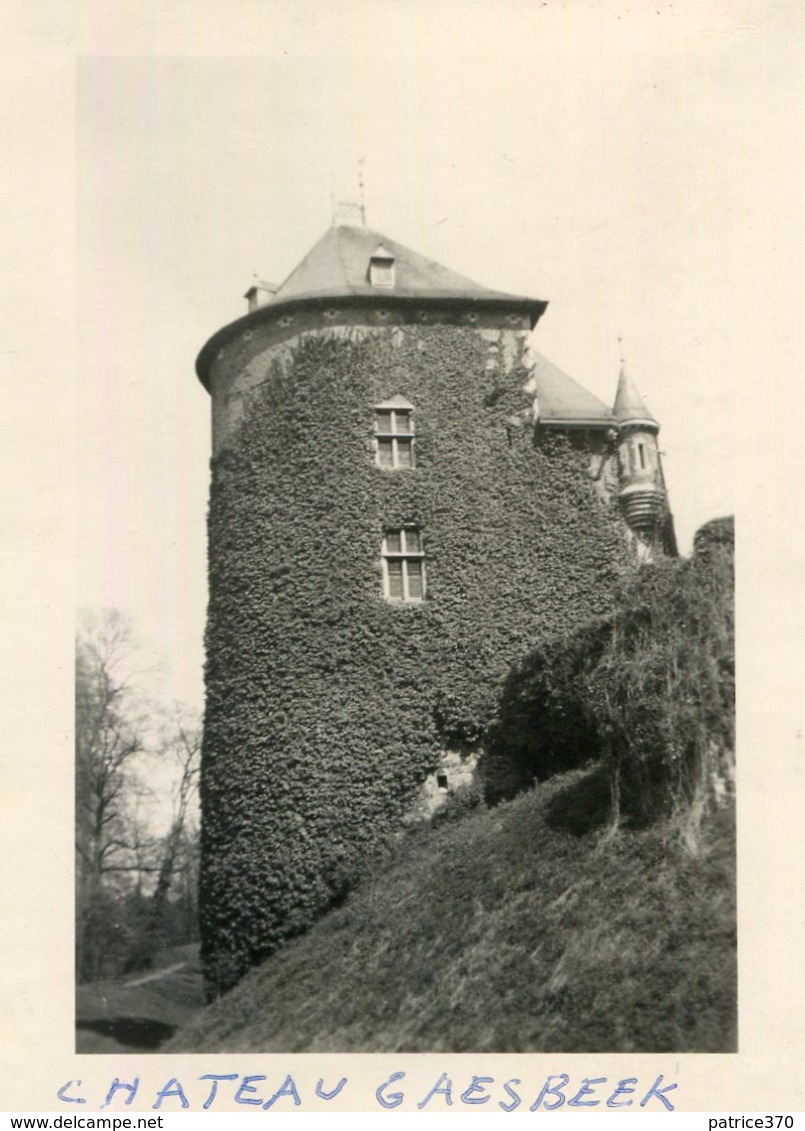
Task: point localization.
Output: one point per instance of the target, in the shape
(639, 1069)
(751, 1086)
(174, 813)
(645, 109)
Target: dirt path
(155, 977)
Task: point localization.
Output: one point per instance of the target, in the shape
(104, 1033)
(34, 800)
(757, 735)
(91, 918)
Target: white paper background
(638, 166)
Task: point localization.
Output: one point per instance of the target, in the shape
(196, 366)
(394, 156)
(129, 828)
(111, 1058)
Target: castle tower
(642, 495)
(389, 532)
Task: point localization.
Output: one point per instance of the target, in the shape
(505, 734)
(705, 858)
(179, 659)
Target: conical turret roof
(629, 407)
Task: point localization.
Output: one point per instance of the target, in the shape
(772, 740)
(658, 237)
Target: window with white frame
(394, 434)
(403, 565)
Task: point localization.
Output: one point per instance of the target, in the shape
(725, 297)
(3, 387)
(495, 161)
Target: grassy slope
(520, 928)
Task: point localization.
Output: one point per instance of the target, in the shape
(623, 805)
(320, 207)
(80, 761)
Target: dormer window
(260, 294)
(394, 434)
(381, 268)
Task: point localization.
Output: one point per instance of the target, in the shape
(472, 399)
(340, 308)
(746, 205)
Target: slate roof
(561, 400)
(338, 267)
(339, 262)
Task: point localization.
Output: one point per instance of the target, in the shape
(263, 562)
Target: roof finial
(620, 349)
(347, 212)
(361, 161)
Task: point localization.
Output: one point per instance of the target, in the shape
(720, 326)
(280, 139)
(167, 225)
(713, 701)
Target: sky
(596, 156)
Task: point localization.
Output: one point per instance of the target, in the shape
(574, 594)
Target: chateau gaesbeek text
(203, 1092)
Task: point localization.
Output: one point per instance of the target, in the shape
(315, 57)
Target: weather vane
(350, 211)
(361, 162)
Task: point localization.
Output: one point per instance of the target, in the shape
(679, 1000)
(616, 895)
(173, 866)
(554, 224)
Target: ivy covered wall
(327, 705)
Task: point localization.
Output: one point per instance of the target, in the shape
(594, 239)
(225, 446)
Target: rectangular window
(413, 543)
(403, 565)
(385, 453)
(396, 588)
(394, 436)
(414, 579)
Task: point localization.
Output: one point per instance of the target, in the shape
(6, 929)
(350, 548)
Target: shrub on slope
(518, 928)
(651, 689)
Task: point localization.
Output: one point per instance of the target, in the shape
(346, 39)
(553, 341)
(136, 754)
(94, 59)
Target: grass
(533, 926)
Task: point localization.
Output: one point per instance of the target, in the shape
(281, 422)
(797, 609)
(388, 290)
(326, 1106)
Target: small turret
(642, 494)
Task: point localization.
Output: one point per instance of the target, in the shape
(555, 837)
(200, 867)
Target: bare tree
(135, 890)
(180, 744)
(109, 735)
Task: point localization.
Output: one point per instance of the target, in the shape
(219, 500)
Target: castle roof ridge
(338, 265)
